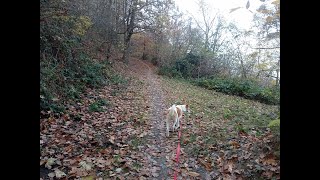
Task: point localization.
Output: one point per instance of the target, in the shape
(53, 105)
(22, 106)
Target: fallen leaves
(90, 177)
(118, 170)
(80, 142)
(193, 174)
(207, 165)
(233, 150)
(234, 144)
(228, 166)
(112, 138)
(78, 172)
(85, 165)
(50, 162)
(59, 174)
(125, 142)
(269, 160)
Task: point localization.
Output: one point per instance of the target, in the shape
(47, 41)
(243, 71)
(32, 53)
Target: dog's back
(171, 113)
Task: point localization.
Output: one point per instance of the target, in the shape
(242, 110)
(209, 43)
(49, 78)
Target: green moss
(274, 123)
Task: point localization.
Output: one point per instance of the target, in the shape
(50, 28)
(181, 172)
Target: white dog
(174, 114)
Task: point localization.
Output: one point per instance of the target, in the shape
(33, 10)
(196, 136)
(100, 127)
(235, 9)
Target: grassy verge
(248, 89)
(229, 127)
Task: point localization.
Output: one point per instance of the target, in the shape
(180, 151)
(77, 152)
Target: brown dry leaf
(270, 161)
(50, 162)
(143, 134)
(101, 162)
(219, 161)
(85, 165)
(268, 174)
(154, 169)
(142, 178)
(206, 164)
(237, 171)
(235, 144)
(105, 151)
(112, 138)
(59, 174)
(230, 168)
(78, 171)
(273, 169)
(193, 174)
(118, 170)
(88, 178)
(52, 174)
(247, 155)
(155, 174)
(42, 161)
(72, 162)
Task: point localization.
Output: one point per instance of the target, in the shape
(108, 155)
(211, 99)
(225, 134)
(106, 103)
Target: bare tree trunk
(129, 31)
(199, 68)
(125, 56)
(144, 56)
(244, 73)
(108, 51)
(243, 70)
(277, 78)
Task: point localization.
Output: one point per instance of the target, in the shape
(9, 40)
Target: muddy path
(161, 150)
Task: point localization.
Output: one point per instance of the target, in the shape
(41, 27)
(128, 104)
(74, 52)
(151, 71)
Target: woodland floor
(222, 138)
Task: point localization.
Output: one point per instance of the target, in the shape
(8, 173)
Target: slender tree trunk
(144, 56)
(244, 73)
(125, 56)
(277, 78)
(108, 51)
(199, 68)
(243, 70)
(129, 31)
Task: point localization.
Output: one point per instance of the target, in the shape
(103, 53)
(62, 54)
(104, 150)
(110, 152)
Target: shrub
(183, 67)
(66, 69)
(274, 123)
(154, 61)
(246, 88)
(96, 106)
(117, 79)
(169, 71)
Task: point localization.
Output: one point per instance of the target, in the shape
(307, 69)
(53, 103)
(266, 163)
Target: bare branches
(267, 48)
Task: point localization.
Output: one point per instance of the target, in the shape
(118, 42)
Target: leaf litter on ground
(219, 136)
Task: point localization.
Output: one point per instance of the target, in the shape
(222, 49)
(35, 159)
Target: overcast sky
(242, 16)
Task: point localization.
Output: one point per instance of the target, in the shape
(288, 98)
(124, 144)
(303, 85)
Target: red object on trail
(178, 153)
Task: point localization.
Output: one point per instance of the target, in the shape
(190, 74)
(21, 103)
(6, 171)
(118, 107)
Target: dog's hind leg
(174, 125)
(178, 124)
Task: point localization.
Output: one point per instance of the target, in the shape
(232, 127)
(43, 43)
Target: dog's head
(187, 108)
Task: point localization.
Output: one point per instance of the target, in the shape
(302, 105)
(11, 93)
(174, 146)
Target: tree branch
(267, 48)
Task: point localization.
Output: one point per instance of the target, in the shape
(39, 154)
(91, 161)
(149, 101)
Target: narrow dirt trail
(160, 150)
